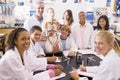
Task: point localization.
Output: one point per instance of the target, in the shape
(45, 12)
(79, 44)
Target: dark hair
(13, 36)
(81, 12)
(35, 28)
(107, 22)
(70, 16)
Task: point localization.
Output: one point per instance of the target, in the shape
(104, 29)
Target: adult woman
(17, 64)
(67, 18)
(105, 45)
(102, 25)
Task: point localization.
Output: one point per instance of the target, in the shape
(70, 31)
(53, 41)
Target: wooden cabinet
(6, 31)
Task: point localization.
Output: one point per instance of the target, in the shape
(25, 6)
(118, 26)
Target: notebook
(87, 74)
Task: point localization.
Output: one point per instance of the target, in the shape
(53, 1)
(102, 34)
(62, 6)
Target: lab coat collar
(110, 53)
(38, 18)
(83, 25)
(17, 52)
(31, 42)
(62, 38)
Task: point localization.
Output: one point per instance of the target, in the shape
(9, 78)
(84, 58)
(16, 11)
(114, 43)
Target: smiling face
(66, 16)
(102, 23)
(64, 33)
(101, 46)
(82, 17)
(23, 41)
(35, 36)
(39, 9)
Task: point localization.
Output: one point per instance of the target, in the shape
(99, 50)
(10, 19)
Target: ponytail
(116, 47)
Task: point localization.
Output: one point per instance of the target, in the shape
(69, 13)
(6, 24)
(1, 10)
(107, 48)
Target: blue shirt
(63, 44)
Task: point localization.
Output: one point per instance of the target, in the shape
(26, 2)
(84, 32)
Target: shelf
(7, 4)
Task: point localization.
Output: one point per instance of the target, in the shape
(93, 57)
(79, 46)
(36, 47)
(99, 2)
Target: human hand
(40, 56)
(57, 72)
(58, 66)
(51, 59)
(82, 68)
(74, 75)
(71, 54)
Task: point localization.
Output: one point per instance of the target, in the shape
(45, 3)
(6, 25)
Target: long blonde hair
(110, 38)
(116, 47)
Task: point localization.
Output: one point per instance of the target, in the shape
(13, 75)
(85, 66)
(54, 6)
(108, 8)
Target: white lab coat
(31, 21)
(109, 68)
(87, 35)
(35, 49)
(70, 44)
(12, 68)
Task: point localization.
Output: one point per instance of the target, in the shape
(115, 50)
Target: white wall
(77, 7)
(60, 7)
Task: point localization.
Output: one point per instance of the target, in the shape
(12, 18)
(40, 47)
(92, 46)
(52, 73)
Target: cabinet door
(6, 31)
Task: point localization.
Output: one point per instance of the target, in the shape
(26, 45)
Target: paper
(86, 51)
(87, 74)
(59, 59)
(83, 78)
(60, 76)
(65, 53)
